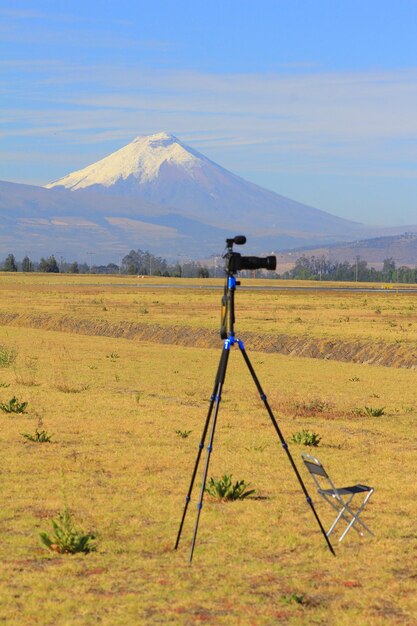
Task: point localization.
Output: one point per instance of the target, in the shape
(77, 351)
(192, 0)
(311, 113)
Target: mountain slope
(162, 169)
(87, 225)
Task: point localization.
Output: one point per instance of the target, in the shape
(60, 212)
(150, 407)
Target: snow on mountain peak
(140, 159)
(158, 139)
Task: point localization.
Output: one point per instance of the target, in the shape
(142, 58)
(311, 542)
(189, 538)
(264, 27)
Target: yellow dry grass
(113, 407)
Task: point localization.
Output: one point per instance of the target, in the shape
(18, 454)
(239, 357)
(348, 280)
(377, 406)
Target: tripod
(234, 263)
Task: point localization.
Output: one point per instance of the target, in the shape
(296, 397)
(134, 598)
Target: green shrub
(293, 598)
(40, 436)
(13, 406)
(224, 489)
(306, 438)
(374, 412)
(66, 539)
(183, 433)
(7, 356)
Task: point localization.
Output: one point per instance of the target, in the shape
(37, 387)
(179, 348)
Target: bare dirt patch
(371, 352)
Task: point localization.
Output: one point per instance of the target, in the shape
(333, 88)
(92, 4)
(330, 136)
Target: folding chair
(339, 498)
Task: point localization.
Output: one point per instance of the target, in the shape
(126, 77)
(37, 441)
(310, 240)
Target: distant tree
(73, 268)
(177, 271)
(10, 264)
(388, 269)
(303, 268)
(48, 265)
(203, 272)
(139, 262)
(27, 265)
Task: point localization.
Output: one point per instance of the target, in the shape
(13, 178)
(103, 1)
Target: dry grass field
(120, 375)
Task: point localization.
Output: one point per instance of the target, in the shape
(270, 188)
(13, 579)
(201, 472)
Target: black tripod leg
(221, 374)
(201, 445)
(283, 442)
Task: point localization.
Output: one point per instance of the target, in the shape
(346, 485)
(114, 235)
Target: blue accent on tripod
(231, 282)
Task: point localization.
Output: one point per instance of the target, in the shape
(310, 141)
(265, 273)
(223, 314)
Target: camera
(234, 261)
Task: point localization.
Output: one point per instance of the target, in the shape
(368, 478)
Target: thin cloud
(346, 122)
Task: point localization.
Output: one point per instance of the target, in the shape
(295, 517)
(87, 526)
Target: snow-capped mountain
(134, 166)
(158, 194)
(162, 169)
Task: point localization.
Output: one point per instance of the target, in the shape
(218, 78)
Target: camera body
(234, 261)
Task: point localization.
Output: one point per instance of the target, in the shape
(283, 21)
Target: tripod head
(228, 300)
(234, 262)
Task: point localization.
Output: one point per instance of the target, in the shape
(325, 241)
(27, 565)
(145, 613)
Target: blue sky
(314, 99)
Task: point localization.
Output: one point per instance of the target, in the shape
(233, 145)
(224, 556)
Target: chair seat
(346, 490)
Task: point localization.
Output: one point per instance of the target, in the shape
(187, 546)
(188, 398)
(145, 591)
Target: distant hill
(401, 248)
(95, 228)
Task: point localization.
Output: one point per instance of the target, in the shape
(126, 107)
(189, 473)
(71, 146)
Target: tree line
(143, 263)
(137, 262)
(320, 268)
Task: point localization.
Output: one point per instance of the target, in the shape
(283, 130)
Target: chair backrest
(313, 465)
(317, 472)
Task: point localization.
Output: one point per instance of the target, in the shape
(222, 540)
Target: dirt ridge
(369, 352)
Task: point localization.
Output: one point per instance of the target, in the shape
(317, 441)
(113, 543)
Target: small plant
(310, 407)
(354, 379)
(358, 411)
(306, 438)
(258, 448)
(183, 433)
(28, 372)
(224, 489)
(13, 406)
(66, 388)
(112, 356)
(293, 598)
(40, 436)
(374, 412)
(7, 356)
(5, 385)
(66, 539)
